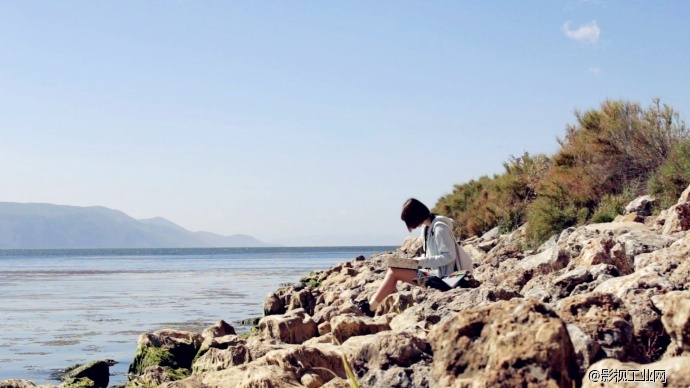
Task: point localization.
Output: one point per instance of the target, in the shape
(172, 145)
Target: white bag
(463, 259)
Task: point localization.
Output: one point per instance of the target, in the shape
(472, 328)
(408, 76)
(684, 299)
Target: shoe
(363, 306)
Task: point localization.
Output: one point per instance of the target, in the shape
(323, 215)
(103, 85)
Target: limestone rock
(220, 329)
(294, 327)
(605, 319)
(671, 372)
(281, 368)
(631, 217)
(493, 234)
(586, 348)
(189, 382)
(604, 251)
(509, 343)
(412, 246)
(218, 359)
(97, 372)
(648, 277)
(326, 312)
(171, 348)
(16, 383)
(156, 375)
(545, 262)
(641, 205)
(305, 299)
(346, 326)
(675, 306)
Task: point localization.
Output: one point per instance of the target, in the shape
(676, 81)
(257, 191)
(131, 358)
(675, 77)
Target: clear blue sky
(308, 122)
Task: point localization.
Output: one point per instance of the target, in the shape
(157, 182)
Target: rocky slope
(598, 305)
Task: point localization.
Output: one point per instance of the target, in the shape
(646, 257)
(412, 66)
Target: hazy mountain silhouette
(40, 225)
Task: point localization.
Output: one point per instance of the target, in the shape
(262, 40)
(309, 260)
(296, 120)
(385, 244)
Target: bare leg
(389, 282)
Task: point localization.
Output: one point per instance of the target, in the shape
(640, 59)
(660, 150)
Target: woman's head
(414, 213)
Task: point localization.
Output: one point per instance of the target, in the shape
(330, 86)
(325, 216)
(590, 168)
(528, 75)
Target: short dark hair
(414, 213)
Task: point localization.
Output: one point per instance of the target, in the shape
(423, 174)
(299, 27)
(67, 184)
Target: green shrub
(673, 177)
(607, 157)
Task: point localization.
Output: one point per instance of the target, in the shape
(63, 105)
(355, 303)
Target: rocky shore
(598, 305)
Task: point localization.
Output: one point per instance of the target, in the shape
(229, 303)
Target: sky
(307, 122)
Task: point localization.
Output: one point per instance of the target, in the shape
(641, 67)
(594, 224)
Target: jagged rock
(237, 346)
(641, 205)
(400, 301)
(259, 346)
(632, 217)
(605, 319)
(437, 305)
(325, 312)
(273, 304)
(281, 368)
(305, 299)
(648, 277)
(221, 335)
(96, 374)
(400, 359)
(650, 338)
(218, 359)
(486, 246)
(676, 219)
(573, 239)
(671, 372)
(493, 234)
(545, 262)
(586, 348)
(412, 246)
(294, 327)
(643, 240)
(219, 329)
(346, 326)
(154, 376)
(478, 255)
(548, 244)
(604, 251)
(171, 348)
(16, 383)
(508, 343)
(189, 382)
(675, 306)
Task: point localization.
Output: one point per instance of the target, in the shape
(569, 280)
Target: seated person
(440, 253)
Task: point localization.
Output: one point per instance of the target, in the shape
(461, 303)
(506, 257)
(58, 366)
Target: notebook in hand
(396, 262)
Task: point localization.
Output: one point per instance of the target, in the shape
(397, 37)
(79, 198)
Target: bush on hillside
(501, 200)
(609, 156)
(672, 177)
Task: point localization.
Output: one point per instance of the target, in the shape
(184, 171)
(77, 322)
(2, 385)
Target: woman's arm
(445, 245)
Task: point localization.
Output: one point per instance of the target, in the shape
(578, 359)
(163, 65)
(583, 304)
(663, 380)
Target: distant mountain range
(40, 225)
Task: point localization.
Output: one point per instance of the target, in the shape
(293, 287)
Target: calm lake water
(61, 307)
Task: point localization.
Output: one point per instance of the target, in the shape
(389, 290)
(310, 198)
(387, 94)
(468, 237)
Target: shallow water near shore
(62, 307)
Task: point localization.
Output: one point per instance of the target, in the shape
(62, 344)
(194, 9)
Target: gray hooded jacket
(440, 253)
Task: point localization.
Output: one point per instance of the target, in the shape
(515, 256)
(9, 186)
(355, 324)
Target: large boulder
(218, 359)
(605, 250)
(346, 326)
(156, 375)
(390, 359)
(95, 374)
(296, 366)
(642, 206)
(17, 383)
(165, 348)
(675, 307)
(293, 327)
(605, 319)
(508, 343)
